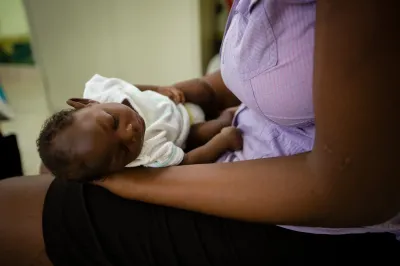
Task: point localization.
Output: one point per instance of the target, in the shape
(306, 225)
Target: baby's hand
(227, 116)
(173, 93)
(233, 136)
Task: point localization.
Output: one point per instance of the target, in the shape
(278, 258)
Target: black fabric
(87, 225)
(10, 159)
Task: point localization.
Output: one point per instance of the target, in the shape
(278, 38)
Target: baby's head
(92, 140)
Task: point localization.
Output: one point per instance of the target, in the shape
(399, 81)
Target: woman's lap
(121, 232)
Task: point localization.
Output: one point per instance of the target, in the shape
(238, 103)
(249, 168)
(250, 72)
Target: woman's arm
(210, 92)
(350, 178)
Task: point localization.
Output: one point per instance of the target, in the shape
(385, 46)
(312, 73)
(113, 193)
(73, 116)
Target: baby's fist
(234, 138)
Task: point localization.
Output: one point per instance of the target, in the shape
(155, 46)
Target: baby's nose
(128, 134)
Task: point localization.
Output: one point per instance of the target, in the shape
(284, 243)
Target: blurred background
(50, 48)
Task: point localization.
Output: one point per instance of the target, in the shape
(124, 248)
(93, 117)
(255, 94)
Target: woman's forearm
(147, 87)
(280, 191)
(244, 190)
(210, 92)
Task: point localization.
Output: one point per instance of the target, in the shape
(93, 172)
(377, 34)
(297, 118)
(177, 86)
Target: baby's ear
(79, 103)
(127, 103)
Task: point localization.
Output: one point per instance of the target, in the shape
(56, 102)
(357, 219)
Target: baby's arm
(230, 138)
(202, 133)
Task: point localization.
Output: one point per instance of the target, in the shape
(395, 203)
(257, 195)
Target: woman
(346, 179)
(267, 60)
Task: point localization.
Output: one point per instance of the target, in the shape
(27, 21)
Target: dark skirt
(87, 225)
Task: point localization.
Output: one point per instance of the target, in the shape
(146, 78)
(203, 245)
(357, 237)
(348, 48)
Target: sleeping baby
(115, 125)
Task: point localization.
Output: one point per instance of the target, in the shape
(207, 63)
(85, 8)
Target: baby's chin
(135, 151)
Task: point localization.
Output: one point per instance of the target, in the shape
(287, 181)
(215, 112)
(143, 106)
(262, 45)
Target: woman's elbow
(357, 194)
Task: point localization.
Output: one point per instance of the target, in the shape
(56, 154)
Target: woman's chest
(267, 58)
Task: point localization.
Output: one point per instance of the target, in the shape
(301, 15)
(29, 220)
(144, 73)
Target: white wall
(12, 19)
(142, 41)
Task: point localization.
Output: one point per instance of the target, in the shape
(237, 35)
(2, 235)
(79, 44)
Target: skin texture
(350, 178)
(21, 205)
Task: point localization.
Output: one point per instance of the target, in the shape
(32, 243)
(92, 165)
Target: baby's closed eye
(115, 121)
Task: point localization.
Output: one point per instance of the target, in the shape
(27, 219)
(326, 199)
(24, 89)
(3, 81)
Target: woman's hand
(118, 184)
(124, 183)
(176, 95)
(121, 183)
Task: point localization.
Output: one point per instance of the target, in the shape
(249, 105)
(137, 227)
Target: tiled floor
(25, 92)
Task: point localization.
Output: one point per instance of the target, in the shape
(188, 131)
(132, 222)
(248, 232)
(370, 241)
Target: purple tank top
(267, 62)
